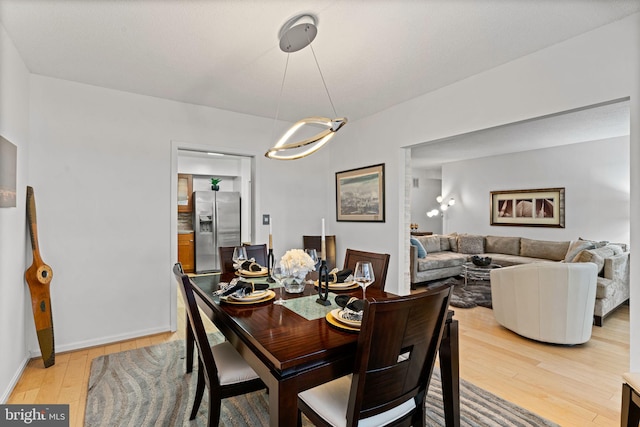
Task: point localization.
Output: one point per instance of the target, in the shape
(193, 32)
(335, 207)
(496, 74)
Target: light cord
(322, 77)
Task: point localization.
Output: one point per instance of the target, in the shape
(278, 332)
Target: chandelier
(296, 34)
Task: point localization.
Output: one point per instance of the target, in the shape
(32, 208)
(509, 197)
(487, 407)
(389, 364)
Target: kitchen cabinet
(186, 255)
(185, 192)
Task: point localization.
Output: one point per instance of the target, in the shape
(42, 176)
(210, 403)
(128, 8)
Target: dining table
(293, 347)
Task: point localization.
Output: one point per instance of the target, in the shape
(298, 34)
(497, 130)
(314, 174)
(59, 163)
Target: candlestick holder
(270, 263)
(323, 284)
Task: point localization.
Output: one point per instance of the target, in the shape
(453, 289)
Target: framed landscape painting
(542, 207)
(360, 194)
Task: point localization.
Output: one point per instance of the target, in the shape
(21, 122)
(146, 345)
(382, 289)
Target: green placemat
(308, 308)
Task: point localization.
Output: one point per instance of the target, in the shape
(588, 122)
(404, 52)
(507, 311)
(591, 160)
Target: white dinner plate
(337, 313)
(247, 273)
(254, 296)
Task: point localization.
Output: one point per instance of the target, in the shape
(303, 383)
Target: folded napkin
(249, 265)
(352, 307)
(338, 276)
(245, 288)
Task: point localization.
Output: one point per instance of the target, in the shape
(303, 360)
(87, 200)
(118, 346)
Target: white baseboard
(14, 380)
(103, 340)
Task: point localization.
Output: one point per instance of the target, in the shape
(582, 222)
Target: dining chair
(315, 242)
(220, 367)
(379, 262)
(397, 348)
(258, 253)
(226, 259)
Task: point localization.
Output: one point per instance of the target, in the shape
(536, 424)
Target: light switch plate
(266, 219)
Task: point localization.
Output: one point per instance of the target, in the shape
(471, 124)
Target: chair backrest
(258, 253)
(226, 258)
(195, 322)
(314, 242)
(397, 347)
(379, 262)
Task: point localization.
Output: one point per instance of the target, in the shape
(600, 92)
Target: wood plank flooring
(572, 386)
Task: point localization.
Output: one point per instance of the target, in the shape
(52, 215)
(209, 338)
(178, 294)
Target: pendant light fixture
(296, 34)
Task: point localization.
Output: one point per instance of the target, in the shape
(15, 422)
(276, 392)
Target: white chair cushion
(330, 401)
(633, 379)
(232, 368)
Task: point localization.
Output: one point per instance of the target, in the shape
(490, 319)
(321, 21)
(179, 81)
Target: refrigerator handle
(215, 228)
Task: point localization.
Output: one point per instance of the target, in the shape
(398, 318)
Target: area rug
(473, 294)
(149, 387)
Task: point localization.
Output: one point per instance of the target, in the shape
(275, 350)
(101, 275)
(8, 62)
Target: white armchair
(546, 301)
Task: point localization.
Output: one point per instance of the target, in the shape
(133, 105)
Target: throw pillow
(431, 243)
(589, 255)
(544, 249)
(448, 242)
(577, 246)
(421, 252)
(470, 244)
(596, 244)
(502, 245)
(617, 249)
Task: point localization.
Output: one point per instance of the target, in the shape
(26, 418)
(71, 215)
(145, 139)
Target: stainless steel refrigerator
(216, 222)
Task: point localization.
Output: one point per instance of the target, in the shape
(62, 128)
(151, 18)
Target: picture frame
(360, 194)
(542, 207)
(8, 173)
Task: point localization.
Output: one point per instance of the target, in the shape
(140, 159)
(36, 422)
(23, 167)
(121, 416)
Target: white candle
(270, 233)
(323, 251)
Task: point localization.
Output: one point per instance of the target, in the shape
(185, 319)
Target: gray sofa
(445, 255)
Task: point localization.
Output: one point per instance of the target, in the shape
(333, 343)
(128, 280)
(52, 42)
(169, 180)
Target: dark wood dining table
(292, 354)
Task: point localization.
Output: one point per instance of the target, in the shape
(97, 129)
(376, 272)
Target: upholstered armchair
(547, 301)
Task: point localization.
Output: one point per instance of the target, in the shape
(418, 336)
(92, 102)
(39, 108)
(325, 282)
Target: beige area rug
(149, 387)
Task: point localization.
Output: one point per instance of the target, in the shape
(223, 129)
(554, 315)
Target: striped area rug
(149, 387)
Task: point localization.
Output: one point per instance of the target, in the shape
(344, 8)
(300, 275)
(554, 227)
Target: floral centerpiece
(297, 264)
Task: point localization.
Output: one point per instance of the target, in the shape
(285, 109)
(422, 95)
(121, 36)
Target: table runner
(308, 308)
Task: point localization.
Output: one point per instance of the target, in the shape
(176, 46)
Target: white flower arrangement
(297, 262)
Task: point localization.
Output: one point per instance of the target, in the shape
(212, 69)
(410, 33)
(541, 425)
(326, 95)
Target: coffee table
(470, 271)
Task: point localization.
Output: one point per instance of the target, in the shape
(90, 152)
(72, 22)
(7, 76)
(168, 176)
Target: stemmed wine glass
(314, 256)
(363, 275)
(279, 272)
(239, 256)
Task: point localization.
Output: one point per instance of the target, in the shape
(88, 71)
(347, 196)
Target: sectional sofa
(445, 255)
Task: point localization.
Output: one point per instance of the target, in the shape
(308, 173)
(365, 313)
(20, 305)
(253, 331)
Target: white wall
(595, 176)
(16, 318)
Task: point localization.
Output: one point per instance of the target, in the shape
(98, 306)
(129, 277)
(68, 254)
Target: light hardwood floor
(572, 386)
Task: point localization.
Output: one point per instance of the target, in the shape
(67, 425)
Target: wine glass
(363, 275)
(279, 272)
(239, 256)
(314, 256)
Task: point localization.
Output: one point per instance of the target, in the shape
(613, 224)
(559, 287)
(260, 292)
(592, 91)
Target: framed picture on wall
(360, 194)
(542, 207)
(8, 173)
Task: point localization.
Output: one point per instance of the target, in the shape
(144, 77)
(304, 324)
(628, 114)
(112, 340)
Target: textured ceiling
(224, 54)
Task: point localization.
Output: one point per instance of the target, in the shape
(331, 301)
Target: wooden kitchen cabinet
(186, 254)
(185, 192)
